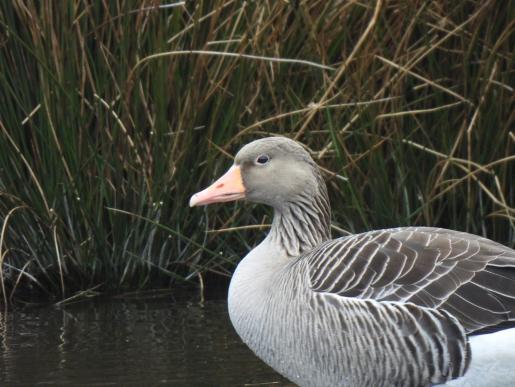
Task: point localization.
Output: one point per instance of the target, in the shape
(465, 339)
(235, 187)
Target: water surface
(129, 342)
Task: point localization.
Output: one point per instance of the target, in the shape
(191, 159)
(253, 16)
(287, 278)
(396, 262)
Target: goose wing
(471, 277)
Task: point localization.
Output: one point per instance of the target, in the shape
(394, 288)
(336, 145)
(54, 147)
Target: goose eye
(262, 159)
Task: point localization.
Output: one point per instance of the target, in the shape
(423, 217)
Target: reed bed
(113, 113)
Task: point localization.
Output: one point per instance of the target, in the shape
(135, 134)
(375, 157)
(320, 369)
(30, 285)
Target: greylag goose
(394, 307)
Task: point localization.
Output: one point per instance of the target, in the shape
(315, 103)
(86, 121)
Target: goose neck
(302, 224)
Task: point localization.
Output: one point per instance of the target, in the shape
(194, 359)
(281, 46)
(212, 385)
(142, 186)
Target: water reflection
(127, 342)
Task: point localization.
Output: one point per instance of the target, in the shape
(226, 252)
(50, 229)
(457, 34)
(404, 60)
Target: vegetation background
(112, 113)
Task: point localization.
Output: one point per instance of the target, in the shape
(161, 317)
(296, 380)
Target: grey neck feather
(304, 222)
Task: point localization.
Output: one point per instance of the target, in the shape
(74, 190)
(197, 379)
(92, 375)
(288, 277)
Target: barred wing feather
(470, 277)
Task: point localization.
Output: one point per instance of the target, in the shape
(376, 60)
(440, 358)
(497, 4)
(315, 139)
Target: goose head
(273, 171)
(278, 172)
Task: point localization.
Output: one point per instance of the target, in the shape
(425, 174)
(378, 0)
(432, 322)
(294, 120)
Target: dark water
(128, 342)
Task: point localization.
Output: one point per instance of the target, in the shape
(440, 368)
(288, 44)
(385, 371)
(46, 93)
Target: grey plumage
(381, 308)
(430, 267)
